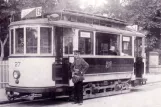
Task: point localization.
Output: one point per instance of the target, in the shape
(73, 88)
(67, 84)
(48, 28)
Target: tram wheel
(49, 95)
(117, 87)
(45, 95)
(31, 97)
(10, 96)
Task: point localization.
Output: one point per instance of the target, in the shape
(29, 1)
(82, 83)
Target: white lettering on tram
(108, 64)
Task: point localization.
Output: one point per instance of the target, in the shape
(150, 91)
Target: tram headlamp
(16, 74)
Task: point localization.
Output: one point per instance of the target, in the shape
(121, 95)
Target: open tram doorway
(60, 67)
(139, 69)
(104, 42)
(59, 43)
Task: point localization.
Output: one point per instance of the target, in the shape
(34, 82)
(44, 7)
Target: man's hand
(76, 71)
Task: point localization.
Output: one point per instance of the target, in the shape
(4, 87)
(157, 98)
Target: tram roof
(91, 16)
(84, 26)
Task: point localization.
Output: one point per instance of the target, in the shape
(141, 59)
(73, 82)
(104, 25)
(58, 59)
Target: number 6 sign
(38, 11)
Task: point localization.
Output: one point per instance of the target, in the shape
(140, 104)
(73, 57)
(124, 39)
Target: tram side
(41, 53)
(108, 73)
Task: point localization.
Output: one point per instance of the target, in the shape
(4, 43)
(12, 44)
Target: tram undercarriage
(105, 88)
(90, 90)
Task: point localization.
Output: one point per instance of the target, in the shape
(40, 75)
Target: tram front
(33, 45)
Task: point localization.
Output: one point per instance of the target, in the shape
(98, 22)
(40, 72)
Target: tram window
(19, 37)
(12, 41)
(68, 40)
(126, 46)
(45, 40)
(31, 39)
(107, 44)
(86, 42)
(138, 47)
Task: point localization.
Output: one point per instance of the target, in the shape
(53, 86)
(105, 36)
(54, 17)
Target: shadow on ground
(47, 102)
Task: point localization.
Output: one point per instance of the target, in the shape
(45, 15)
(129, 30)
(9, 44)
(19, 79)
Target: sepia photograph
(88, 53)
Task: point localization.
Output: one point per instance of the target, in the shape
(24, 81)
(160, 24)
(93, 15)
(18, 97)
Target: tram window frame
(16, 40)
(127, 52)
(138, 46)
(109, 46)
(24, 27)
(28, 51)
(69, 37)
(91, 40)
(12, 41)
(51, 39)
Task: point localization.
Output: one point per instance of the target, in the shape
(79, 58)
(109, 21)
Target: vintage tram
(41, 50)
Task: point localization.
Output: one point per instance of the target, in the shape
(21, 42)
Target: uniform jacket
(81, 65)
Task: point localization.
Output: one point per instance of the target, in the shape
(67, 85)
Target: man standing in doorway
(79, 67)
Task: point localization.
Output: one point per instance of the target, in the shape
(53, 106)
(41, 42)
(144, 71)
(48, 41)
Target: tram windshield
(12, 41)
(45, 40)
(31, 40)
(19, 43)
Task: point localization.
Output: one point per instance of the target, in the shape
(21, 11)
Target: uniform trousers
(78, 92)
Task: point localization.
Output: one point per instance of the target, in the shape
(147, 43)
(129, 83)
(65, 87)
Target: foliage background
(145, 13)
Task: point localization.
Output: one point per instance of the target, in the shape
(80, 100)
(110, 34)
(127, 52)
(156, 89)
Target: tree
(48, 6)
(6, 10)
(10, 8)
(141, 12)
(116, 9)
(147, 14)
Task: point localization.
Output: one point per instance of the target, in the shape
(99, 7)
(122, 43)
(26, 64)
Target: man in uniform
(79, 67)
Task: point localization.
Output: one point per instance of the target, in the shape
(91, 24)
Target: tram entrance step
(138, 82)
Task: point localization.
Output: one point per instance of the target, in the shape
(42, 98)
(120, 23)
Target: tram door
(59, 74)
(139, 64)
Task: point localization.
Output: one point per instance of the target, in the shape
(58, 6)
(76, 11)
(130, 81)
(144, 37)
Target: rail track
(147, 87)
(18, 101)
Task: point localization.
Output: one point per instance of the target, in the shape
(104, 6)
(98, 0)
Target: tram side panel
(111, 68)
(109, 65)
(34, 72)
(101, 69)
(107, 76)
